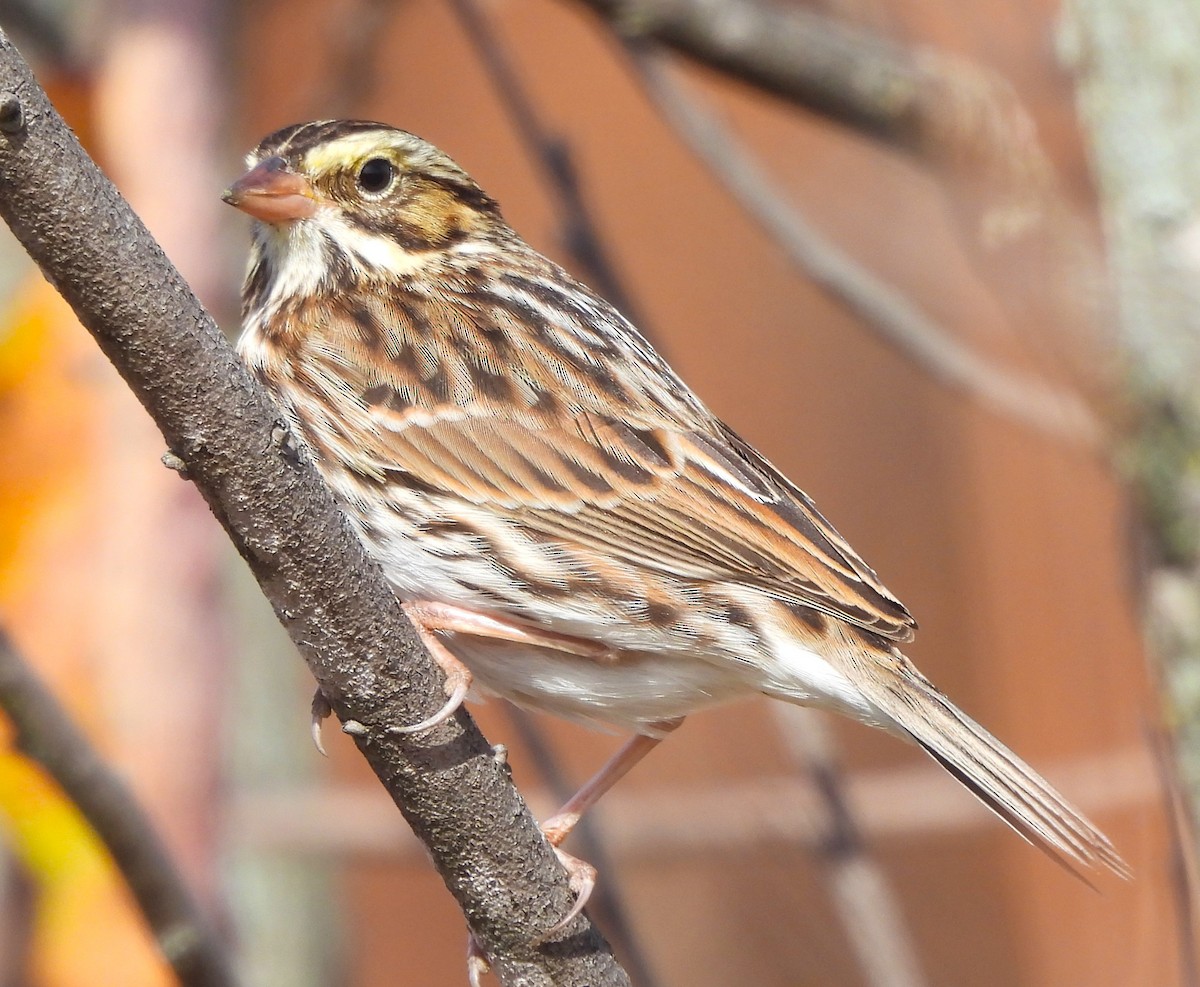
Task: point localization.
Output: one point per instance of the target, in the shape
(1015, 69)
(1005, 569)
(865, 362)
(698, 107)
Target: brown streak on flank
(372, 331)
(549, 589)
(489, 594)
(380, 394)
(659, 613)
(255, 287)
(735, 613)
(412, 318)
(814, 620)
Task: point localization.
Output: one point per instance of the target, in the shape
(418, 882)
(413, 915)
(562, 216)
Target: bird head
(369, 177)
(340, 202)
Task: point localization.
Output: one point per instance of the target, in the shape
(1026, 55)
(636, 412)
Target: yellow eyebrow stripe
(341, 152)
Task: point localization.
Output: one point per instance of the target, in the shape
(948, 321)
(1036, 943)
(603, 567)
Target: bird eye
(376, 175)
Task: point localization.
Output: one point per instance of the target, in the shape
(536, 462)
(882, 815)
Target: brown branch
(881, 307)
(334, 602)
(45, 733)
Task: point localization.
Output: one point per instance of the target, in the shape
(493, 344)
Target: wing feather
(628, 466)
(692, 505)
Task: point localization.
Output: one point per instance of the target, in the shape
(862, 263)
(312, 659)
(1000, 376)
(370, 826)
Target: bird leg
(559, 826)
(435, 616)
(429, 617)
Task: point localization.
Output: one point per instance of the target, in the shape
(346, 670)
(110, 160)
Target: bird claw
(477, 962)
(458, 684)
(320, 712)
(582, 881)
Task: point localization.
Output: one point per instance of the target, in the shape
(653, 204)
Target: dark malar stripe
(255, 288)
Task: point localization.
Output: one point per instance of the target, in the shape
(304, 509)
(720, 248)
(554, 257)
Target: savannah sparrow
(557, 511)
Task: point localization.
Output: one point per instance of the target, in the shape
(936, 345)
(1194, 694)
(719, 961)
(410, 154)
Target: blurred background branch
(552, 154)
(863, 81)
(879, 305)
(943, 110)
(46, 733)
(870, 914)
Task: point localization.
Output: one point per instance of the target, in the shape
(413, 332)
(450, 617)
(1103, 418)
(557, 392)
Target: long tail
(993, 773)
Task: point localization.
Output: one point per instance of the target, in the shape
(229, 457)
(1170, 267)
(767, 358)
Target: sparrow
(565, 522)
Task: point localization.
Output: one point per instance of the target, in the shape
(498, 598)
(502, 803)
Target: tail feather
(993, 773)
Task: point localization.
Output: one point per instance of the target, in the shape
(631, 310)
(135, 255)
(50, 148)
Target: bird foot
(582, 878)
(458, 685)
(458, 676)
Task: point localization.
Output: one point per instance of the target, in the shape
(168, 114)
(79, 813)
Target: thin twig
(870, 914)
(17, 911)
(553, 155)
(356, 37)
(334, 602)
(47, 734)
(914, 99)
(883, 308)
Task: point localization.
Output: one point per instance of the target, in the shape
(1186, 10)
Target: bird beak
(272, 193)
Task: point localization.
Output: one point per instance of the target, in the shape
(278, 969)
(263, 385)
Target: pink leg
(449, 617)
(558, 827)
